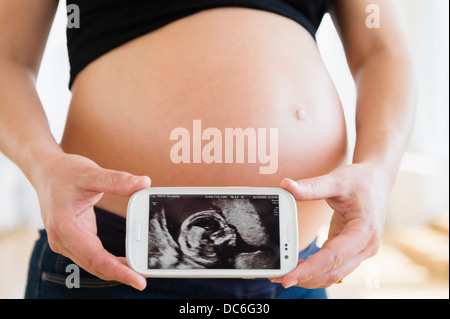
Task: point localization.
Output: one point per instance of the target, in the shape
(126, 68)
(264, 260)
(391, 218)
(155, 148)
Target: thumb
(116, 182)
(317, 188)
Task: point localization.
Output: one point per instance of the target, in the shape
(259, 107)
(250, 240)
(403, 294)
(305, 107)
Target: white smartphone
(212, 232)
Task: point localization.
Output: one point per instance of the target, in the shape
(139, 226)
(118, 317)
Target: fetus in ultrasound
(207, 240)
(197, 235)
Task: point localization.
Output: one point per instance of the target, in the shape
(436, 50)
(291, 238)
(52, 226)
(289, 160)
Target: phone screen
(214, 232)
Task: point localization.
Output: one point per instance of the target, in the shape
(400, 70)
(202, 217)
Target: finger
(278, 280)
(114, 268)
(88, 252)
(316, 188)
(333, 253)
(332, 277)
(115, 182)
(275, 280)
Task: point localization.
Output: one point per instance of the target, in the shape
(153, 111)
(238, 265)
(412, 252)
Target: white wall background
(18, 201)
(422, 188)
(421, 191)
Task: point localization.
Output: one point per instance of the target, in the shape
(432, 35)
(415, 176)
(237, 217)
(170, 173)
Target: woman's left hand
(358, 194)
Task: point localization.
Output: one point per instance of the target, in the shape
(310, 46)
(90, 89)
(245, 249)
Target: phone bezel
(137, 250)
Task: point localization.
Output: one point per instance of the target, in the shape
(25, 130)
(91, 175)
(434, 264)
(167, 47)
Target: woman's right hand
(68, 187)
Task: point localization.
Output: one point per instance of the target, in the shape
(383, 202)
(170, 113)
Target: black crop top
(106, 24)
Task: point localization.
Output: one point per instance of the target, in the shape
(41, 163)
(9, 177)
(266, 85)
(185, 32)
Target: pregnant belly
(225, 97)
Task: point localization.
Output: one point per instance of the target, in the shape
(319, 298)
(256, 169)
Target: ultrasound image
(213, 232)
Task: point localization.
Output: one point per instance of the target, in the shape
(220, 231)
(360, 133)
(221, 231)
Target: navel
(300, 114)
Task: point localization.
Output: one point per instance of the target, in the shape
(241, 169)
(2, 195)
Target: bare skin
(114, 143)
(266, 90)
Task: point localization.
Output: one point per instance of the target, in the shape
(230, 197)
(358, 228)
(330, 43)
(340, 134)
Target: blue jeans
(49, 272)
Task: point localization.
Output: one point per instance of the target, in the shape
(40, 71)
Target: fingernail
(138, 287)
(291, 284)
(140, 179)
(275, 280)
(291, 182)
